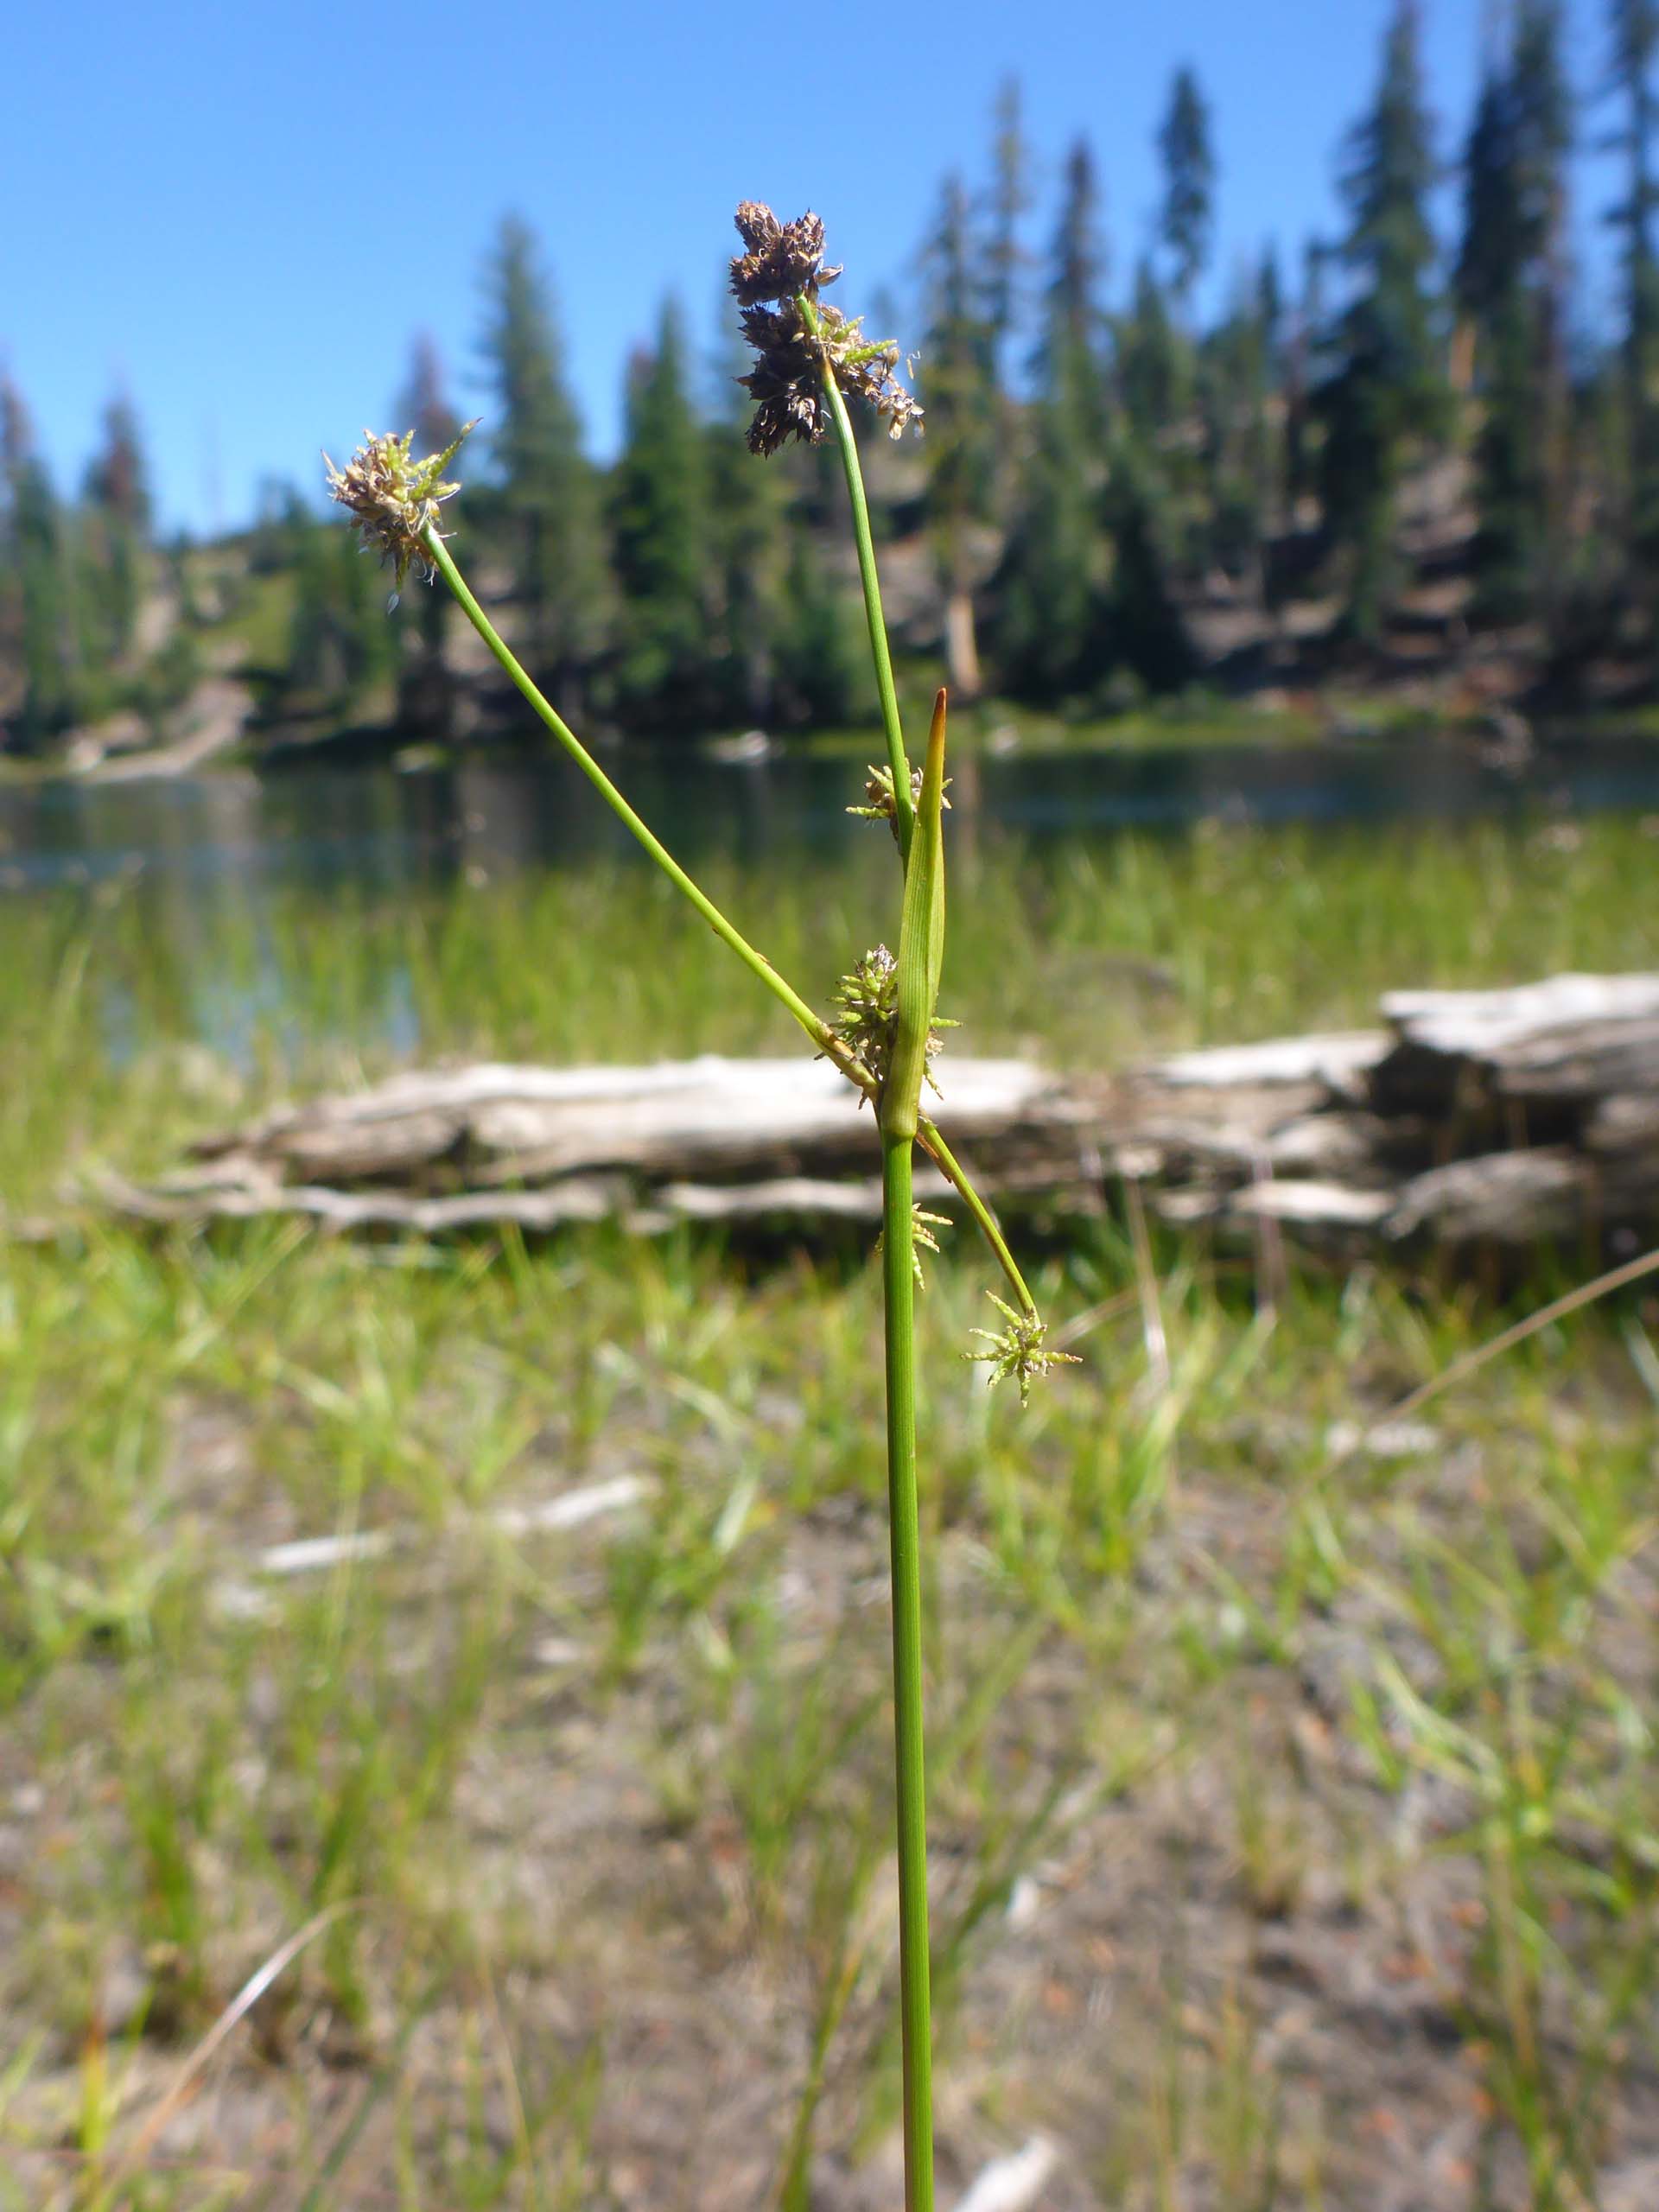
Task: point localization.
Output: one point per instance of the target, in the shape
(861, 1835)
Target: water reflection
(379, 831)
(204, 870)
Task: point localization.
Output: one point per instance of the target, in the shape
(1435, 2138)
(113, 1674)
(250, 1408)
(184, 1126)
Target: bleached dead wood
(1013, 2183)
(302, 1555)
(1496, 1118)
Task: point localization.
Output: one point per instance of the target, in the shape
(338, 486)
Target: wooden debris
(1496, 1119)
(570, 1508)
(1499, 1120)
(1013, 2183)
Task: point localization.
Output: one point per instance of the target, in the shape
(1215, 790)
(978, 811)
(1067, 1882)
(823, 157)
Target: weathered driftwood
(1490, 1118)
(1503, 1118)
(703, 1141)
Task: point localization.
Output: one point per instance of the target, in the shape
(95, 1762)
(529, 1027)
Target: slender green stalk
(986, 1221)
(921, 950)
(816, 1027)
(396, 502)
(915, 2016)
(904, 811)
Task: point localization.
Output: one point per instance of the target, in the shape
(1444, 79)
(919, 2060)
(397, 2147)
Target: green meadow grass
(1293, 1813)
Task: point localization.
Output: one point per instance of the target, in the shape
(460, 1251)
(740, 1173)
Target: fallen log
(1498, 1119)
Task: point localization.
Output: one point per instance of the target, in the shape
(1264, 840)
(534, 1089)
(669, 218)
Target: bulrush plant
(883, 1033)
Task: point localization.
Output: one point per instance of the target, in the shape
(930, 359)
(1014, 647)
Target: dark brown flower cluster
(795, 336)
(785, 382)
(783, 259)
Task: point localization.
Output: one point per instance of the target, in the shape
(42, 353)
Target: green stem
(898, 1287)
(956, 1176)
(897, 762)
(816, 1027)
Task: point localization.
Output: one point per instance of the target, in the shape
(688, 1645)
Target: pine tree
(1052, 628)
(745, 534)
(1051, 599)
(818, 663)
(1511, 284)
(1071, 349)
(1146, 627)
(1157, 383)
(658, 518)
(1306, 325)
(547, 503)
(1153, 362)
(1386, 387)
(960, 450)
(1488, 251)
(116, 535)
(1008, 202)
(340, 645)
(1240, 443)
(1189, 184)
(1635, 25)
(426, 689)
(42, 612)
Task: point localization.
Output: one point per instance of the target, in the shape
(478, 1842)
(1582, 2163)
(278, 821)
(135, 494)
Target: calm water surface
(242, 835)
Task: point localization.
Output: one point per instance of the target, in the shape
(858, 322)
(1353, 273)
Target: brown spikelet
(783, 268)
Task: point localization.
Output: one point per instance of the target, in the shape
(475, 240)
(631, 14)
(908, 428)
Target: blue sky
(243, 214)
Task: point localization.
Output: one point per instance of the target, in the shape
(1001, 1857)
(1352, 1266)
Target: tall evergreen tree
(1635, 25)
(960, 450)
(1386, 386)
(116, 534)
(1008, 202)
(1487, 249)
(43, 609)
(117, 478)
(1157, 382)
(1241, 440)
(341, 646)
(546, 501)
(1153, 365)
(1053, 625)
(817, 656)
(1051, 589)
(426, 690)
(658, 517)
(1187, 211)
(1074, 318)
(1511, 283)
(1306, 325)
(745, 534)
(1146, 630)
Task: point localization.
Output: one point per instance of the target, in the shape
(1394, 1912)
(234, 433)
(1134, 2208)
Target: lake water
(243, 836)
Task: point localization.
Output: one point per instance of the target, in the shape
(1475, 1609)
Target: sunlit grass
(562, 1785)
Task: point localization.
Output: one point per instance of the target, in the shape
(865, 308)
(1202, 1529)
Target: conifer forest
(1416, 450)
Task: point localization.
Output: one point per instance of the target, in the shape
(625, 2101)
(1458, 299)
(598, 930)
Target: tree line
(1100, 461)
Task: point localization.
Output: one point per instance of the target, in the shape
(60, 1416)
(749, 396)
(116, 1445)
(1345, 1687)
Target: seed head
(865, 1018)
(784, 265)
(394, 501)
(878, 797)
(783, 259)
(1018, 1350)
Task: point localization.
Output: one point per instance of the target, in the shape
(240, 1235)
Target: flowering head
(777, 282)
(393, 500)
(866, 1019)
(1018, 1350)
(879, 801)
